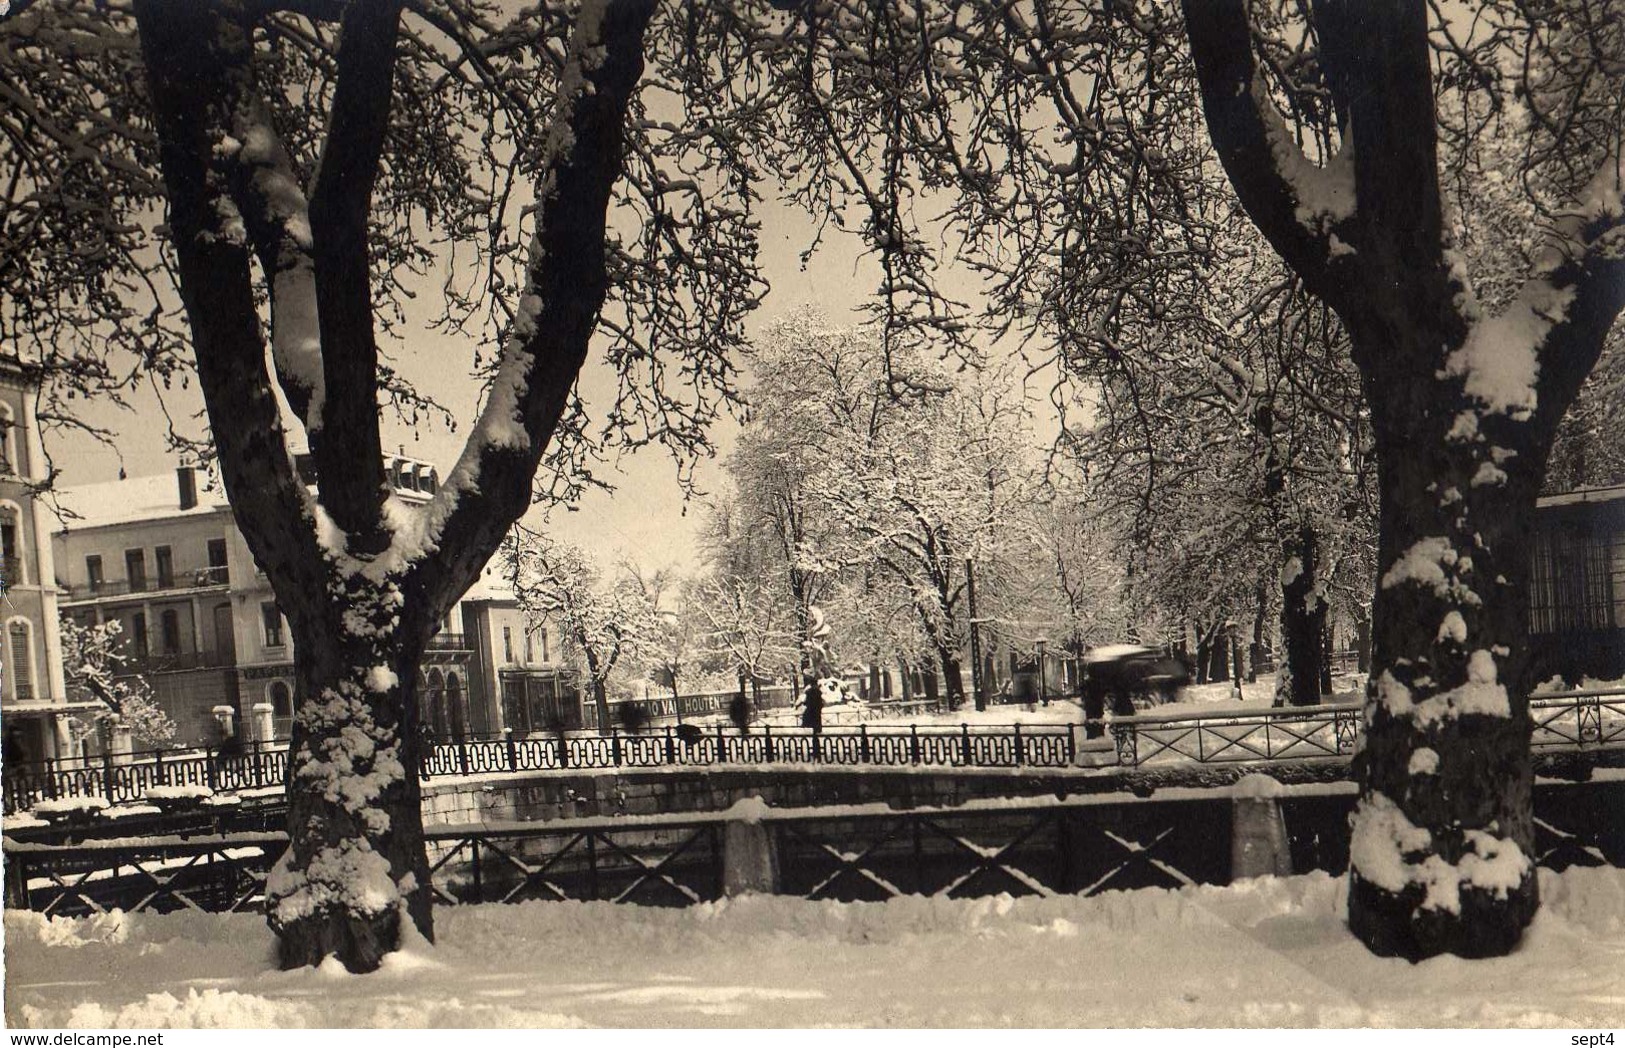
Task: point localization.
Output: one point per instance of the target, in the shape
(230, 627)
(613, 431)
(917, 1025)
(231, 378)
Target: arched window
(11, 540)
(8, 452)
(281, 699)
(20, 654)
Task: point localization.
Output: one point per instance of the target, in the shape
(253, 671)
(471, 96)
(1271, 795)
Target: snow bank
(1268, 952)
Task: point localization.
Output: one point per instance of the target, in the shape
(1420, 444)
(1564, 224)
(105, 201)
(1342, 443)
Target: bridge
(1570, 720)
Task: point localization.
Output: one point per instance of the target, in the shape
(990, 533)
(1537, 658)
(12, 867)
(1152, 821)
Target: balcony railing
(162, 662)
(201, 578)
(450, 642)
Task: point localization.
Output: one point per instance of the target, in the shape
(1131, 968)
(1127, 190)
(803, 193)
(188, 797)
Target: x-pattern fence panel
(217, 875)
(1080, 847)
(663, 866)
(1578, 718)
(1572, 719)
(1325, 731)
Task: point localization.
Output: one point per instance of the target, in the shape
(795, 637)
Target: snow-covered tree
(254, 190)
(97, 666)
(606, 624)
(744, 625)
(1466, 392)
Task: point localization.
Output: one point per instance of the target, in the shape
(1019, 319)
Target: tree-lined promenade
(1311, 288)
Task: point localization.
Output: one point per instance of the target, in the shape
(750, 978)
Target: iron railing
(1568, 719)
(197, 578)
(126, 778)
(1082, 845)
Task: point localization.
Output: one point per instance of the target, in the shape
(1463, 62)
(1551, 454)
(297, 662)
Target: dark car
(1128, 676)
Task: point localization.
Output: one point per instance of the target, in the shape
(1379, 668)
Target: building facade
(164, 557)
(38, 718)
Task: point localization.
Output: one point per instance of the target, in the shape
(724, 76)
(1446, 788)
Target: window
(507, 644)
(530, 648)
(170, 631)
(281, 699)
(541, 642)
(93, 573)
(138, 634)
(1571, 585)
(21, 651)
(135, 569)
(217, 562)
(6, 463)
(165, 560)
(272, 619)
(11, 572)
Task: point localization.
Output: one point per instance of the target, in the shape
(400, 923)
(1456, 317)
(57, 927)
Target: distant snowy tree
(97, 666)
(744, 626)
(607, 623)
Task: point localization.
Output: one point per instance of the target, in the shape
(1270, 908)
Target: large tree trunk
(363, 598)
(355, 864)
(953, 676)
(1443, 850)
(1255, 653)
(1303, 621)
(1464, 406)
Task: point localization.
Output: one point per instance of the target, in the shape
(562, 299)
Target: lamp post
(1043, 691)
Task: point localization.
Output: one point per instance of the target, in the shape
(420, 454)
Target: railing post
(964, 737)
(914, 744)
(1072, 743)
(564, 750)
(767, 733)
(1020, 756)
(818, 747)
(671, 746)
(209, 771)
(722, 746)
(863, 743)
(615, 746)
(49, 764)
(462, 751)
(513, 751)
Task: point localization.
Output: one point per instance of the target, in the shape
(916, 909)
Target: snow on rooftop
(134, 499)
(1581, 495)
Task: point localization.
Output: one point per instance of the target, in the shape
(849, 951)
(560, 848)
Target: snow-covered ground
(1269, 952)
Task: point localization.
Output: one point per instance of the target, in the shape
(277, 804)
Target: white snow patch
(1291, 570)
(1257, 786)
(382, 679)
(1424, 761)
(1453, 628)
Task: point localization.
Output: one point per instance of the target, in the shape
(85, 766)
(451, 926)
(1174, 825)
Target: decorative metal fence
(128, 778)
(1567, 719)
(1080, 846)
